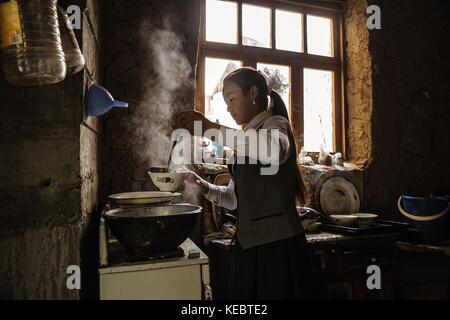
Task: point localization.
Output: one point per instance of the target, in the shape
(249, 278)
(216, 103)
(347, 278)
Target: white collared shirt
(224, 196)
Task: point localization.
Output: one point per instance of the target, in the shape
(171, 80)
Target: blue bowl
(99, 101)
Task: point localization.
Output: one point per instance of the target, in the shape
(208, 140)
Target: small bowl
(314, 227)
(344, 220)
(308, 222)
(167, 181)
(311, 225)
(159, 169)
(364, 220)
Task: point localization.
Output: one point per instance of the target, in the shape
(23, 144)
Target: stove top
(177, 253)
(187, 253)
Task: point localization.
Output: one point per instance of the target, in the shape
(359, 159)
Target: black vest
(266, 210)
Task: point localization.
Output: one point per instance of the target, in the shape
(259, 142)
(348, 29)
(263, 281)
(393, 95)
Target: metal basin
(150, 231)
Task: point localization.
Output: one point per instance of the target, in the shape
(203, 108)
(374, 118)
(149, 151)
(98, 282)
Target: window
(298, 43)
(215, 106)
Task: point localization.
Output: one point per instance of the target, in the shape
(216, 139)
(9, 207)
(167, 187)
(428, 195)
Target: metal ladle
(171, 150)
(166, 168)
(177, 136)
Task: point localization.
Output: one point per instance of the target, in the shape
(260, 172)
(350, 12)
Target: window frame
(297, 61)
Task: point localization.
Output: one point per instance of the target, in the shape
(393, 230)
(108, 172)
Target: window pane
(318, 109)
(319, 35)
(215, 107)
(288, 31)
(256, 26)
(279, 80)
(221, 21)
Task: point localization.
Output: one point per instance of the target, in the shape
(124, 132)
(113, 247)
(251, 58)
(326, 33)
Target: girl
(270, 258)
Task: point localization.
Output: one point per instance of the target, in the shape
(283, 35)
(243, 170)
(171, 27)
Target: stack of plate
(143, 198)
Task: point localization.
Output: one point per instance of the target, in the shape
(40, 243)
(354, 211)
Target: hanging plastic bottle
(30, 42)
(74, 57)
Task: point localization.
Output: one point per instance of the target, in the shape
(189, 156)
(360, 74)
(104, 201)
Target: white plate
(339, 196)
(143, 197)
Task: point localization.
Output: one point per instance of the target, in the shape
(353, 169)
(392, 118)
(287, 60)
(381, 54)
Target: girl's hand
(192, 177)
(186, 120)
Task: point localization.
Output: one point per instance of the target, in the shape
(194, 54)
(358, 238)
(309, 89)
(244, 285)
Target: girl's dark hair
(247, 77)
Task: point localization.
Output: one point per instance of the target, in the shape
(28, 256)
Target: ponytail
(279, 108)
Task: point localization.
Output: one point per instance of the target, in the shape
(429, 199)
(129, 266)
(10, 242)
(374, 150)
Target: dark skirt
(277, 270)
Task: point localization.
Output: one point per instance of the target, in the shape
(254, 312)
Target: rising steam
(169, 78)
(160, 103)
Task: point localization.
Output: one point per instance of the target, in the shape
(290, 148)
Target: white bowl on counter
(344, 220)
(311, 225)
(364, 220)
(167, 181)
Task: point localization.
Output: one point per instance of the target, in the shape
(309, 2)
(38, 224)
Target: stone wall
(358, 83)
(48, 179)
(401, 103)
(152, 51)
(90, 151)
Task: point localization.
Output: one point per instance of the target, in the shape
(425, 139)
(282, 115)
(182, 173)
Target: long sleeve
(273, 135)
(223, 196)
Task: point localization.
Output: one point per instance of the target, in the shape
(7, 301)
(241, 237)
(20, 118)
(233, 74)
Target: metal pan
(150, 231)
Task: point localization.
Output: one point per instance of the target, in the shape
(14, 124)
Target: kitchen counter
(445, 249)
(340, 264)
(336, 240)
(342, 241)
(333, 251)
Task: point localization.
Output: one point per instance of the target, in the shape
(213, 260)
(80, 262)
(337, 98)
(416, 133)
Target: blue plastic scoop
(99, 101)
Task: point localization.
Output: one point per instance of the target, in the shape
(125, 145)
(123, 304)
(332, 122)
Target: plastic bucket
(428, 215)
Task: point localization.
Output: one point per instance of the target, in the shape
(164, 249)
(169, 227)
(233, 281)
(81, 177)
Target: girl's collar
(256, 122)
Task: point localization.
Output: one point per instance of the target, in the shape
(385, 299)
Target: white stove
(182, 275)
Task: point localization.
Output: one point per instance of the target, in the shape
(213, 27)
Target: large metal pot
(150, 231)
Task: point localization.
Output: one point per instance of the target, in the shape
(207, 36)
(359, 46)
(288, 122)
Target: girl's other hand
(186, 120)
